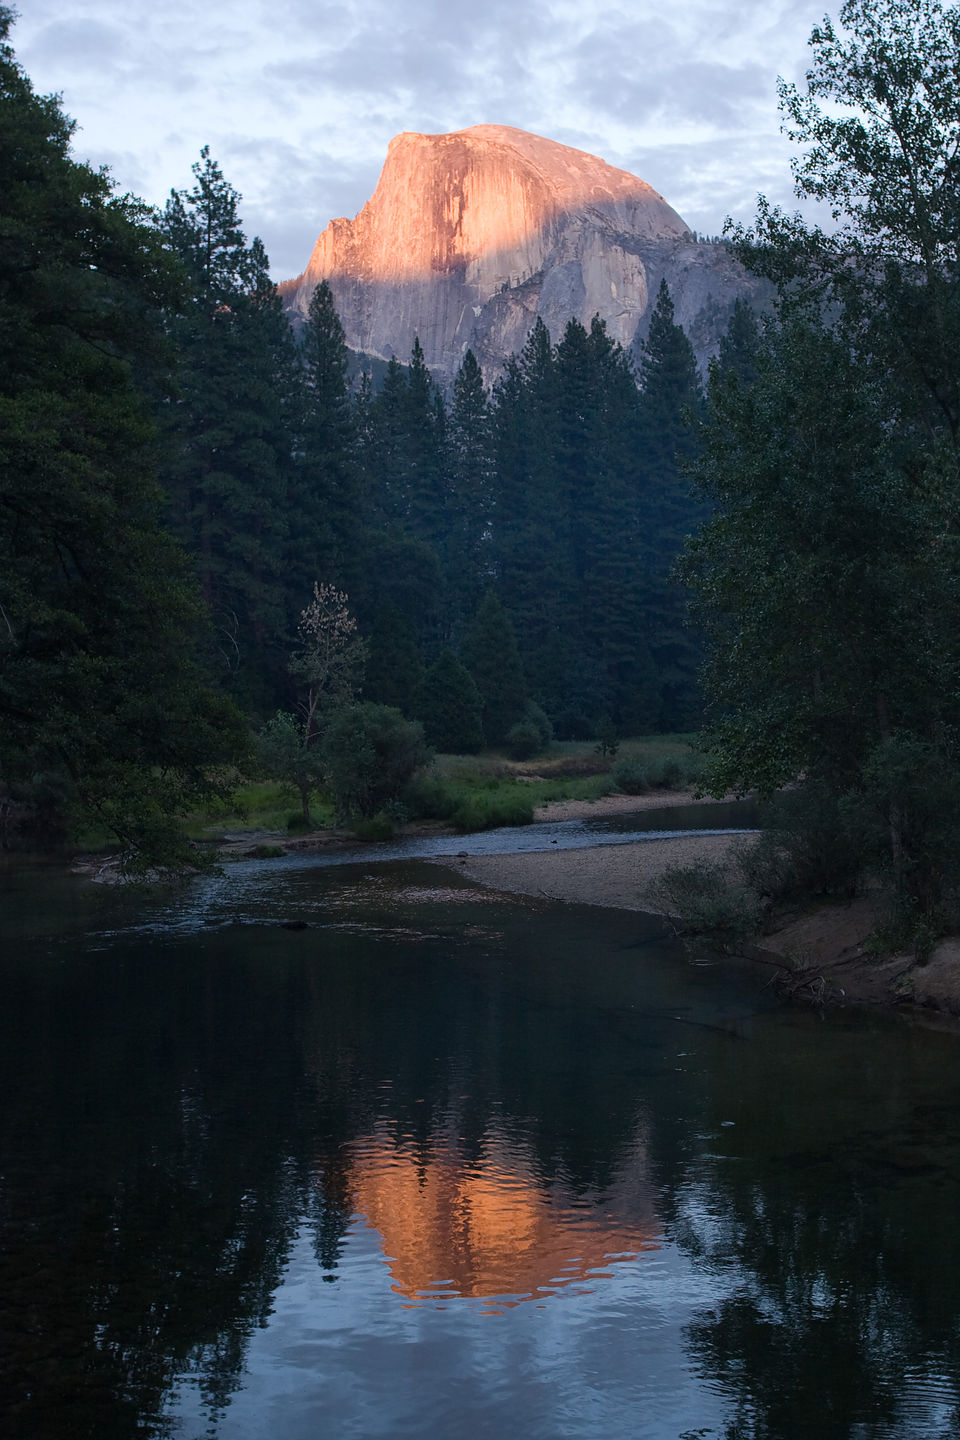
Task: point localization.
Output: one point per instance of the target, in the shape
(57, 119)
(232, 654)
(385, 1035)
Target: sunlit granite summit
(470, 236)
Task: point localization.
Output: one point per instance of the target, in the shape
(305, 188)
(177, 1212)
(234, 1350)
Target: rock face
(469, 237)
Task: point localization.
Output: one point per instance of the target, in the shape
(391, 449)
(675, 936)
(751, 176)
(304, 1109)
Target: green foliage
(911, 783)
(531, 735)
(829, 580)
(470, 465)
(815, 842)
(635, 776)
(708, 900)
(630, 777)
(370, 752)
(448, 703)
(99, 623)
(428, 797)
(230, 435)
(670, 405)
(285, 753)
(608, 741)
(325, 484)
(382, 826)
(488, 811)
(491, 654)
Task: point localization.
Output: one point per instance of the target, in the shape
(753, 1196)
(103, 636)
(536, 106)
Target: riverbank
(824, 956)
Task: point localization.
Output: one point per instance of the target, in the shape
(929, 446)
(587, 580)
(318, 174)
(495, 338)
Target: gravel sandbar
(612, 875)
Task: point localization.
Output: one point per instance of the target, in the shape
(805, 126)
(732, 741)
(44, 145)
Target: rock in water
(470, 236)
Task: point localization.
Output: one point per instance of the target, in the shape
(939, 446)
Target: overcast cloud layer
(298, 99)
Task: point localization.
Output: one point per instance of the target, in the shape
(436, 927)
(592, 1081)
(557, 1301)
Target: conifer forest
(182, 477)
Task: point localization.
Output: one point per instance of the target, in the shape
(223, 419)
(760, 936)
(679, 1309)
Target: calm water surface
(450, 1163)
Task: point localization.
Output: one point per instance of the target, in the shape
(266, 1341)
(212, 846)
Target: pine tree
(467, 551)
(615, 626)
(448, 703)
(491, 655)
(670, 406)
(99, 688)
(740, 343)
(671, 398)
(325, 500)
(531, 536)
(232, 431)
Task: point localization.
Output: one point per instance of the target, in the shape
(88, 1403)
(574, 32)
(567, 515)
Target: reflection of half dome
(489, 1227)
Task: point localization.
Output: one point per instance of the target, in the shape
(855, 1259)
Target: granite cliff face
(470, 236)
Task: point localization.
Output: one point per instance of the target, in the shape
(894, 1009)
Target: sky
(298, 99)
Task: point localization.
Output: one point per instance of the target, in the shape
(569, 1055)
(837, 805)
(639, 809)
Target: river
(446, 1162)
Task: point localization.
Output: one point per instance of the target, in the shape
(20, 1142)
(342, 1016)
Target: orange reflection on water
(489, 1228)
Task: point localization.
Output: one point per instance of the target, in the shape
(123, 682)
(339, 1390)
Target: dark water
(445, 1163)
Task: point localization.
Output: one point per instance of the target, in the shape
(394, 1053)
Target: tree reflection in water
(517, 1099)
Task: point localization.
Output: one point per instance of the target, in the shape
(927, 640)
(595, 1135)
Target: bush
(381, 826)
(523, 741)
(487, 811)
(907, 819)
(608, 740)
(428, 797)
(818, 834)
(708, 902)
(531, 735)
(630, 777)
(768, 868)
(574, 725)
(371, 753)
(296, 823)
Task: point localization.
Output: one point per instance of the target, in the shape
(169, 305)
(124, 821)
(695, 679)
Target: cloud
(298, 99)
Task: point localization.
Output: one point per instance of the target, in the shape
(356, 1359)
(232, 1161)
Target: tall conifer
(325, 504)
(232, 431)
(491, 655)
(671, 403)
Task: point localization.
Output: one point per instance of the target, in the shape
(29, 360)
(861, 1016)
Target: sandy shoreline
(619, 876)
(824, 956)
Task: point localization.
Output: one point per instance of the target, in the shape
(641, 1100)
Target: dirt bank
(824, 957)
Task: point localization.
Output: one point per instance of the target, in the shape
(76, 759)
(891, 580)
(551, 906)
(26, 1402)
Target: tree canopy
(829, 577)
(100, 691)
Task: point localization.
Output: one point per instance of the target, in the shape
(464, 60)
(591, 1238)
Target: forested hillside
(179, 472)
(560, 493)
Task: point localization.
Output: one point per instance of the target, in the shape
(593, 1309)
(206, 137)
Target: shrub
(371, 753)
(486, 811)
(907, 819)
(523, 741)
(671, 776)
(531, 735)
(428, 797)
(381, 826)
(608, 741)
(630, 777)
(296, 823)
(768, 867)
(708, 902)
(573, 725)
(818, 834)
